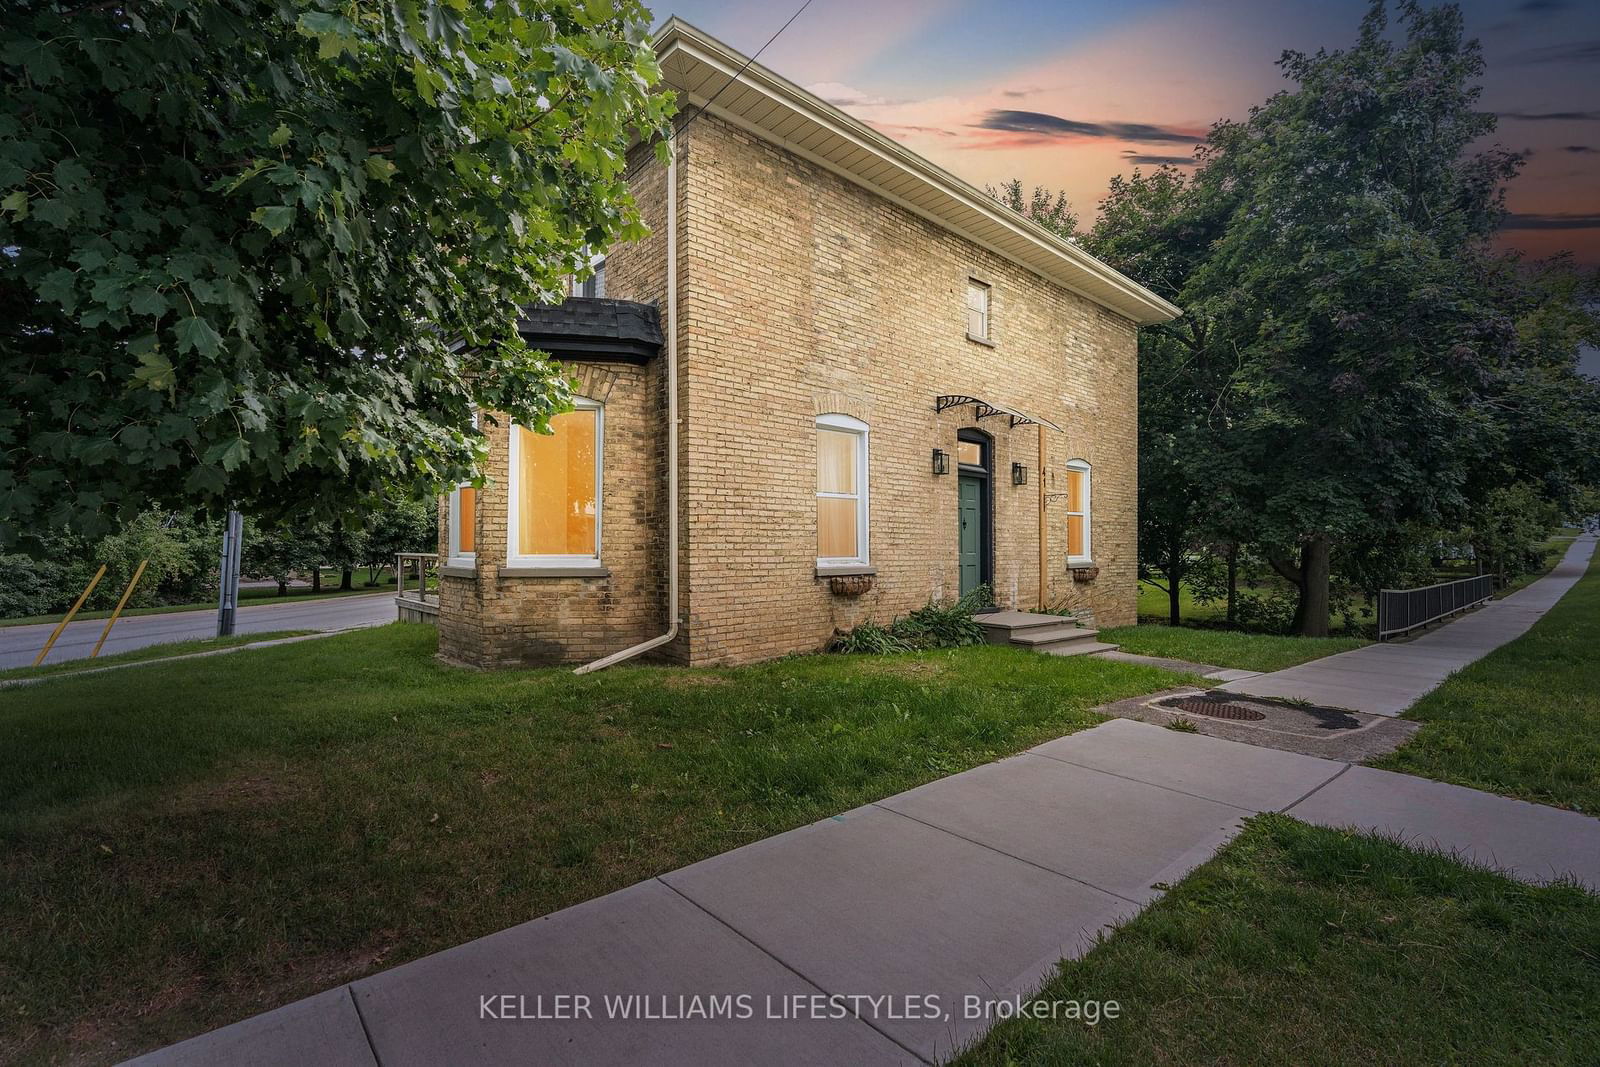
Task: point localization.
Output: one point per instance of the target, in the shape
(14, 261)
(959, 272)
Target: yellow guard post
(62, 625)
(126, 593)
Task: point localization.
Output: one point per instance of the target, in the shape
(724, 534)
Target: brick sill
(984, 341)
(554, 572)
(449, 571)
(844, 572)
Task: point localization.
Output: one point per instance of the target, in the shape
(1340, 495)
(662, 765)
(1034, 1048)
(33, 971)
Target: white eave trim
(1058, 260)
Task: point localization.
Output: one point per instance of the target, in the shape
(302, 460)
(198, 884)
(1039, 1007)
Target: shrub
(937, 624)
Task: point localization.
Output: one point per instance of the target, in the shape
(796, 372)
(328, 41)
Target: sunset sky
(1068, 93)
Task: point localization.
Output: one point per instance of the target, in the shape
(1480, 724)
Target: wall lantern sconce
(941, 461)
(1019, 474)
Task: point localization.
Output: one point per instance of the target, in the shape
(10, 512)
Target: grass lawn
(1226, 648)
(148, 652)
(187, 844)
(1524, 720)
(1305, 945)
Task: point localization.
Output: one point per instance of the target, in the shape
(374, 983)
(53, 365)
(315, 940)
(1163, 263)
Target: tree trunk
(316, 579)
(283, 587)
(1233, 584)
(1175, 581)
(346, 578)
(1311, 614)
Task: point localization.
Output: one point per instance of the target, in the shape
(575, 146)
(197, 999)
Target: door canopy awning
(983, 409)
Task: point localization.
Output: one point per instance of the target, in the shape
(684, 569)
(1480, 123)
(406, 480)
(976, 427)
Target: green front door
(971, 511)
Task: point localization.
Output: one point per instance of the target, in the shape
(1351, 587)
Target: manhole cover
(1216, 709)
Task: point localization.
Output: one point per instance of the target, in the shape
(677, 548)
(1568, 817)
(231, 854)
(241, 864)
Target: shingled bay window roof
(592, 328)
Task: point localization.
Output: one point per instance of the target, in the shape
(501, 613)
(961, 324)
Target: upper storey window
(977, 310)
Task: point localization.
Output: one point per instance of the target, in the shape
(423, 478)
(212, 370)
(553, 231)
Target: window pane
(977, 298)
(466, 513)
(1075, 494)
(977, 325)
(970, 453)
(836, 526)
(1075, 535)
(836, 461)
(557, 489)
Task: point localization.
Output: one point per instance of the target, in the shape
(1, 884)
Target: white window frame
(594, 286)
(987, 311)
(456, 557)
(1083, 467)
(846, 424)
(514, 498)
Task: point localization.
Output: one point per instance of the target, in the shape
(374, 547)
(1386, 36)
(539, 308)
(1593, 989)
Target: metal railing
(1402, 610)
(421, 563)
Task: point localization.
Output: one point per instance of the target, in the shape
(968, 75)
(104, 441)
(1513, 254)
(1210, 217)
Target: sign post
(228, 585)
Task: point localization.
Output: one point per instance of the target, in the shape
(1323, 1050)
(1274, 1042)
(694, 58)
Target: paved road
(974, 885)
(1387, 678)
(19, 644)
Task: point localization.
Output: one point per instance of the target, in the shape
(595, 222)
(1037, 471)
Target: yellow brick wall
(803, 294)
(488, 619)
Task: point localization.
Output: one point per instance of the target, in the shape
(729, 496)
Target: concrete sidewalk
(973, 886)
(1387, 678)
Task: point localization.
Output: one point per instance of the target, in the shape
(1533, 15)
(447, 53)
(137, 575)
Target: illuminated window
(841, 491)
(1078, 529)
(977, 310)
(463, 524)
(555, 491)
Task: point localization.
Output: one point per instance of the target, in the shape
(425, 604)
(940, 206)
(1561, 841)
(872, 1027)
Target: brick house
(888, 389)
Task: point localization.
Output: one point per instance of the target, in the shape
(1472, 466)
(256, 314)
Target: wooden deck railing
(421, 564)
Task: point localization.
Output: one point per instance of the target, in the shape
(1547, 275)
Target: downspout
(1044, 530)
(672, 428)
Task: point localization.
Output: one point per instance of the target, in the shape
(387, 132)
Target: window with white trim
(841, 491)
(594, 284)
(555, 490)
(462, 516)
(977, 310)
(463, 526)
(1078, 512)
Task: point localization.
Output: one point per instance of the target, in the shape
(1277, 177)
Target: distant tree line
(1361, 383)
(183, 554)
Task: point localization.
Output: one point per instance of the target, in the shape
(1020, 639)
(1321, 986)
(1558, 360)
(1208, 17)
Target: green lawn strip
(1226, 648)
(1305, 945)
(165, 650)
(1524, 720)
(247, 598)
(189, 843)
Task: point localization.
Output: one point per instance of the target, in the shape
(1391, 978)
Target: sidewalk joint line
(741, 935)
(1008, 855)
(1154, 785)
(1285, 810)
(366, 1031)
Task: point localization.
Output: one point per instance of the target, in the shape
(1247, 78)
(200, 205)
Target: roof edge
(1142, 305)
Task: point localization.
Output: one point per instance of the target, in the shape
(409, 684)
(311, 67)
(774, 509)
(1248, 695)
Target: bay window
(555, 491)
(463, 518)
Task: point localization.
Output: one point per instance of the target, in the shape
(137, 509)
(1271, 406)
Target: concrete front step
(1076, 648)
(1050, 635)
(1040, 633)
